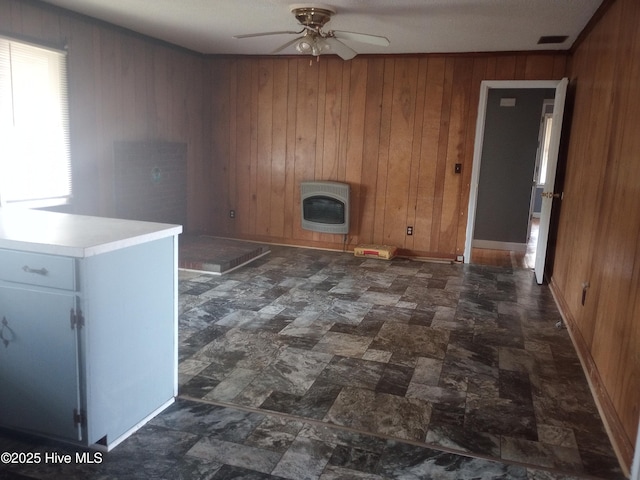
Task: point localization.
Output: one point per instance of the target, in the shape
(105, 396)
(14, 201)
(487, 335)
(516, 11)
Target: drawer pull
(5, 326)
(39, 271)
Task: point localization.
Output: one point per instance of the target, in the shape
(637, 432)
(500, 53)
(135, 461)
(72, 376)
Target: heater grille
(325, 207)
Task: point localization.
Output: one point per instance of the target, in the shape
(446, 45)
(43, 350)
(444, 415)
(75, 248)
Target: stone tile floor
(309, 364)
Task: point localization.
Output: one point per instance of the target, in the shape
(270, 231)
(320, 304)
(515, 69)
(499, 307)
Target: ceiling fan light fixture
(304, 46)
(312, 44)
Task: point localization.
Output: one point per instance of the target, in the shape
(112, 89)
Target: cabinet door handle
(39, 271)
(5, 326)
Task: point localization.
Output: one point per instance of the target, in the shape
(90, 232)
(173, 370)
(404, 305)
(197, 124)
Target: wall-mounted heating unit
(325, 207)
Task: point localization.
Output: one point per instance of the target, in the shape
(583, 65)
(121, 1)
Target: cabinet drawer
(37, 269)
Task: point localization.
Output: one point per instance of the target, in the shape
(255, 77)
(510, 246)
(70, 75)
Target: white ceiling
(412, 26)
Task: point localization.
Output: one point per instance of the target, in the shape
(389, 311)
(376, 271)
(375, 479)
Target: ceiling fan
(315, 41)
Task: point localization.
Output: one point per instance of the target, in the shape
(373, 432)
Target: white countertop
(77, 236)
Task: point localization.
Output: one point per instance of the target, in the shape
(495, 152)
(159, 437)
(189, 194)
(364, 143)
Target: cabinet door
(39, 387)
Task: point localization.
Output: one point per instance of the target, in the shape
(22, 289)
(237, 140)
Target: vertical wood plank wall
(393, 127)
(599, 225)
(121, 87)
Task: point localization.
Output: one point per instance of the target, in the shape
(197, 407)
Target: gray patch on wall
(150, 181)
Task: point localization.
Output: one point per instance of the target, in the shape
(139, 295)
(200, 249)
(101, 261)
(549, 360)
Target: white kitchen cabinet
(38, 362)
(88, 324)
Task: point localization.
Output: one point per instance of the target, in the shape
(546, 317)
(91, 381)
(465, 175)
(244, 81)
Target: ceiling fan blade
(339, 48)
(249, 35)
(288, 44)
(361, 37)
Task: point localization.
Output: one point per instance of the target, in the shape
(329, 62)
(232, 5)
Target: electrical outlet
(409, 230)
(232, 214)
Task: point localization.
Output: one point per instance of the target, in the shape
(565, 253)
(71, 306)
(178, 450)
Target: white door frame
(485, 86)
(635, 466)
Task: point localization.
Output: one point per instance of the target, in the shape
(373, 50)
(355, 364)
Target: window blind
(35, 165)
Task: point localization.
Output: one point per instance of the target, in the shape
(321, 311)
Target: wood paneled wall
(122, 86)
(393, 127)
(599, 227)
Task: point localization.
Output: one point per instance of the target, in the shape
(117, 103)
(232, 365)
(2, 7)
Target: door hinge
(76, 319)
(79, 418)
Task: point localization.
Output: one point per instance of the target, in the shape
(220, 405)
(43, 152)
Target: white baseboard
(494, 245)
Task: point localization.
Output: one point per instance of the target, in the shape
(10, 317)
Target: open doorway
(523, 256)
(509, 167)
(504, 173)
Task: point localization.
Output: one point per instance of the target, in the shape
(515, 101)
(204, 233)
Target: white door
(548, 194)
(554, 144)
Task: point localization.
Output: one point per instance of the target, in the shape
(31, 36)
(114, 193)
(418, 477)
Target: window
(35, 160)
(546, 140)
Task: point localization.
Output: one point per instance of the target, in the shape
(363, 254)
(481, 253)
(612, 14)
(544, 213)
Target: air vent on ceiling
(552, 39)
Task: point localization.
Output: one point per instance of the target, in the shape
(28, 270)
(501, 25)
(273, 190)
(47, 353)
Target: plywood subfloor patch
(216, 255)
